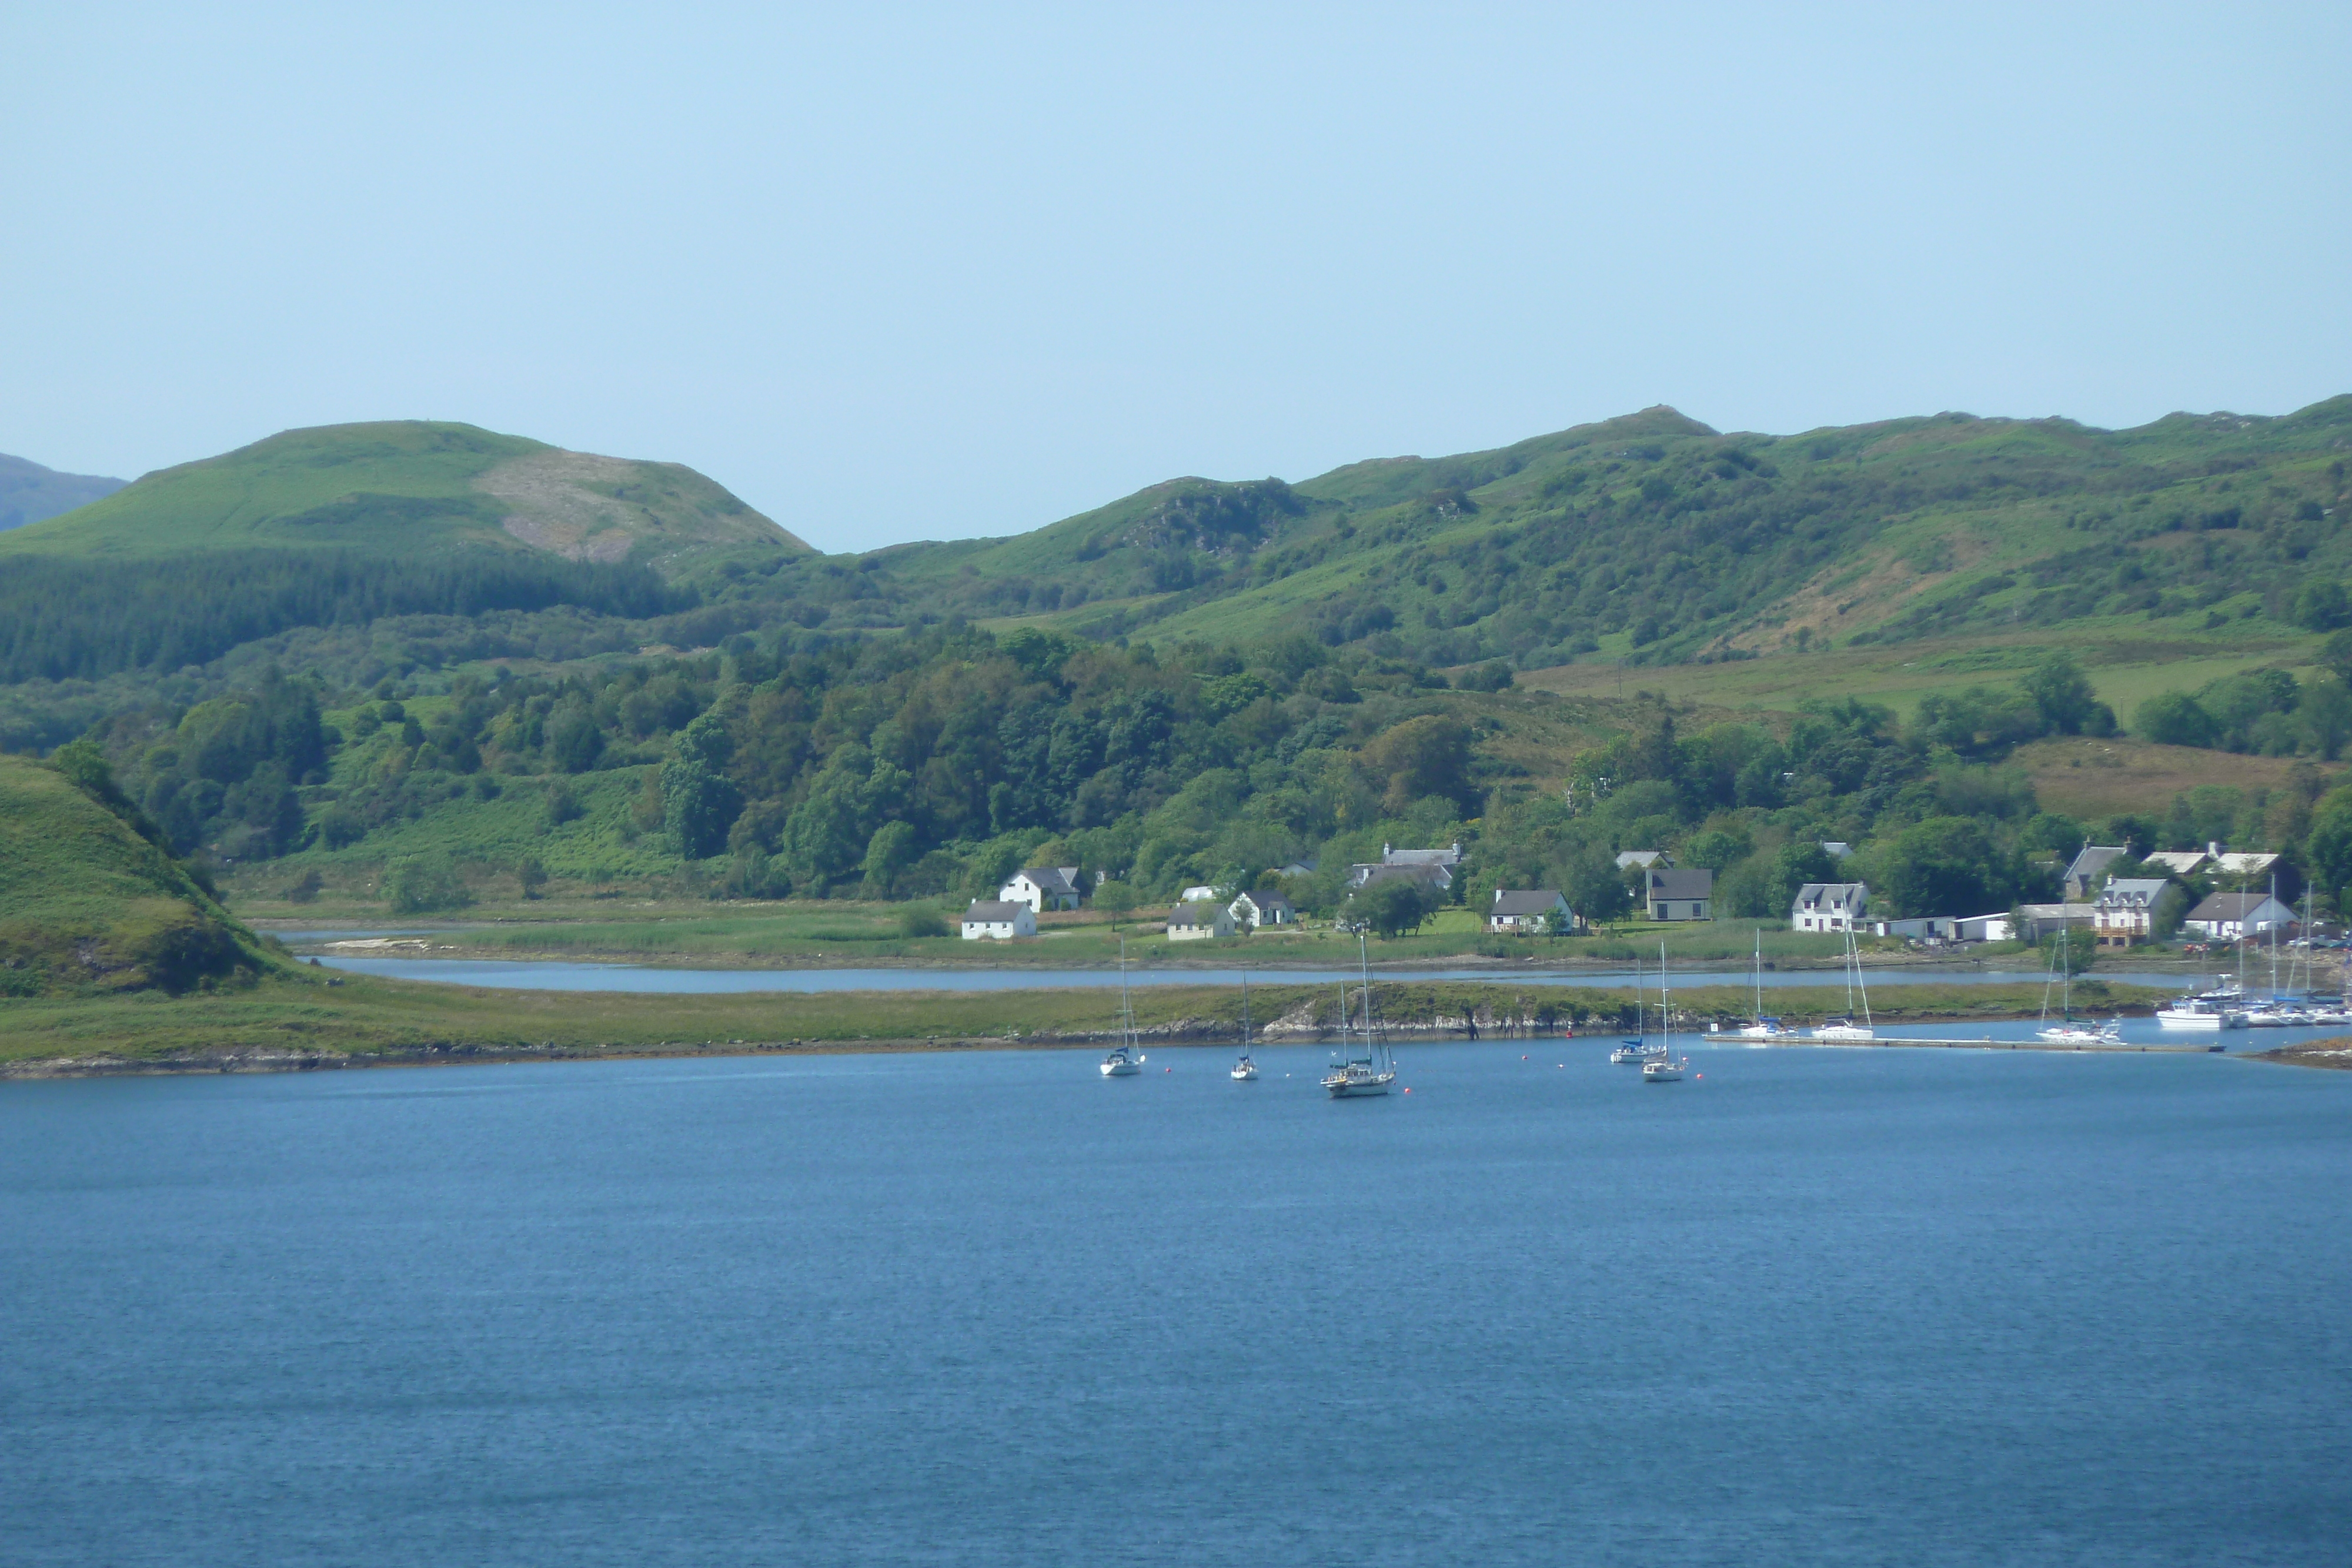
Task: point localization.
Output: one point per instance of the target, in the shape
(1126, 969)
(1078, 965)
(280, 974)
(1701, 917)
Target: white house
(1257, 909)
(1043, 887)
(2232, 916)
(1987, 928)
(2125, 909)
(1830, 907)
(1527, 914)
(1680, 894)
(998, 919)
(1199, 922)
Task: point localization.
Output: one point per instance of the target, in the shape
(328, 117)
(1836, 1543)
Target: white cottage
(1830, 907)
(1199, 922)
(1529, 913)
(1043, 887)
(999, 920)
(1257, 909)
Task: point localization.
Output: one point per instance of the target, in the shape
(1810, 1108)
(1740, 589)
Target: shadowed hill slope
(29, 492)
(87, 904)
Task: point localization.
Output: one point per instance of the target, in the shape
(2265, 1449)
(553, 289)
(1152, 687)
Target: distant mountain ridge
(30, 493)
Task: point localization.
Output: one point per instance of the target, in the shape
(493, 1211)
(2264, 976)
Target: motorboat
(2070, 1033)
(2199, 1012)
(1365, 1067)
(1126, 1058)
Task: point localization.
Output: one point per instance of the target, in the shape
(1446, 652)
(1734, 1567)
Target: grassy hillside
(409, 488)
(29, 492)
(1652, 539)
(88, 906)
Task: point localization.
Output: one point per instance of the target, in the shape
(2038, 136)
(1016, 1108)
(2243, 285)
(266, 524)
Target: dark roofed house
(2090, 866)
(1257, 909)
(2233, 916)
(1526, 914)
(1432, 877)
(1680, 894)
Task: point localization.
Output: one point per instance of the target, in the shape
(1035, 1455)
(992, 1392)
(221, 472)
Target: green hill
(347, 525)
(90, 905)
(1653, 540)
(29, 492)
(408, 488)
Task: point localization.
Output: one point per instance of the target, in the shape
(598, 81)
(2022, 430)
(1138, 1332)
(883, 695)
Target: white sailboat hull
(1351, 1086)
(1120, 1068)
(1245, 1075)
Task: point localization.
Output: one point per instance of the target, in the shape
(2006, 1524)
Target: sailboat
(1244, 1070)
(2066, 1031)
(1126, 1058)
(1843, 1028)
(1665, 1067)
(1364, 1066)
(1638, 1050)
(1764, 1027)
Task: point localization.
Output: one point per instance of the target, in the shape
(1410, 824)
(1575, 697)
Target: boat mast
(1665, 1001)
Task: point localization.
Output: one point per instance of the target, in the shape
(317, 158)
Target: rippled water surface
(1807, 1307)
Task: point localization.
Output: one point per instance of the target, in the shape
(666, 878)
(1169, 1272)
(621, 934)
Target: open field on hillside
(307, 1022)
(2126, 666)
(2086, 777)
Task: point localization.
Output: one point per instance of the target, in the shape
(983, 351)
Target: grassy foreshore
(307, 1022)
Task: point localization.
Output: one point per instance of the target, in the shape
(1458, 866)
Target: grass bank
(310, 1021)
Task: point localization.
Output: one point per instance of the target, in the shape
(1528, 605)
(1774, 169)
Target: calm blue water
(590, 976)
(1815, 1307)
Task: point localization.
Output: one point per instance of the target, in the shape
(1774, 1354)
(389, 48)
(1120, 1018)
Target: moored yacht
(1244, 1070)
(1842, 1029)
(1665, 1067)
(1126, 1058)
(2199, 1012)
(1637, 1051)
(1364, 1067)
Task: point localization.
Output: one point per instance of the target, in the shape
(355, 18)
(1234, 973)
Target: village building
(1196, 894)
(2089, 868)
(1257, 909)
(2039, 920)
(2242, 867)
(1830, 907)
(2235, 916)
(1530, 914)
(1199, 922)
(2124, 912)
(999, 920)
(1044, 887)
(1644, 859)
(1679, 894)
(2180, 863)
(1836, 849)
(1434, 880)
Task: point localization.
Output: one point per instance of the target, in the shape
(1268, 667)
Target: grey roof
(1053, 878)
(1640, 858)
(1435, 876)
(1262, 902)
(2131, 891)
(2240, 906)
(2181, 862)
(1698, 883)
(1198, 914)
(2093, 859)
(1837, 849)
(1450, 856)
(1541, 901)
(994, 909)
(1837, 895)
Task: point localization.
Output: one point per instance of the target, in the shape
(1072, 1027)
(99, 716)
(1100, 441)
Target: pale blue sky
(897, 272)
